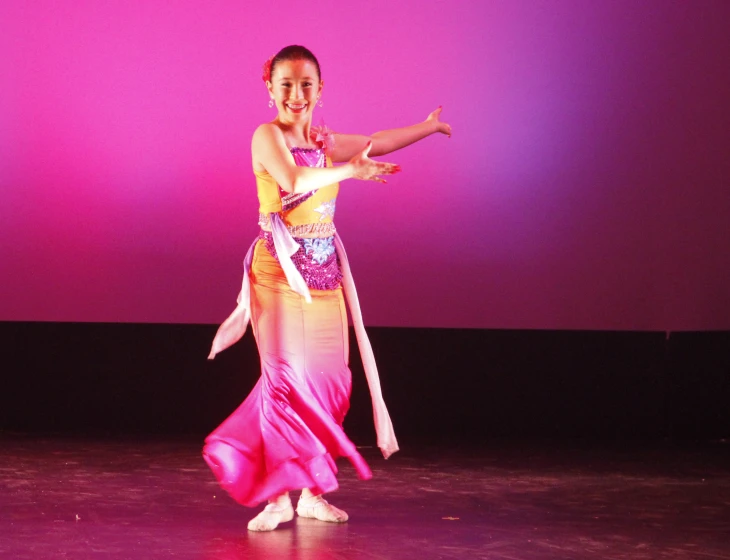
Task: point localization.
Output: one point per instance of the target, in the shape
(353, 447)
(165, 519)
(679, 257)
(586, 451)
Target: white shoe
(318, 508)
(269, 519)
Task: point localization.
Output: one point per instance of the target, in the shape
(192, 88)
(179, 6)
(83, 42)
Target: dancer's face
(295, 87)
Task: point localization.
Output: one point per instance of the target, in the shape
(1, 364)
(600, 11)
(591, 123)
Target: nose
(296, 92)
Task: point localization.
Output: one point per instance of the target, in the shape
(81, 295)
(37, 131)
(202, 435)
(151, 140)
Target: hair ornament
(267, 69)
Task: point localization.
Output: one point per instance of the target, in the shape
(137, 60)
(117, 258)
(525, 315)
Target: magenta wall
(587, 184)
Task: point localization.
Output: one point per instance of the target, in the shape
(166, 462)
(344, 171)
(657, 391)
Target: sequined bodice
(309, 157)
(309, 214)
(304, 157)
(308, 219)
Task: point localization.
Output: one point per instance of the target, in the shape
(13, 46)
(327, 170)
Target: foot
(316, 507)
(269, 519)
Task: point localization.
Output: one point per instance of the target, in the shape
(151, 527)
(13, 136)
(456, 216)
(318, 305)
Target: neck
(296, 132)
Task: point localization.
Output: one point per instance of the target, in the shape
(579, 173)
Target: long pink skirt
(288, 432)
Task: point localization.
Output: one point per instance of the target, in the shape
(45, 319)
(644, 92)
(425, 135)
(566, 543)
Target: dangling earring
(319, 102)
(271, 103)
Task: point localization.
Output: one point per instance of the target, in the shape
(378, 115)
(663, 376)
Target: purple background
(587, 184)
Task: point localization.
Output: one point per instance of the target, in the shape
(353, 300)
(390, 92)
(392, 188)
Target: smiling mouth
(296, 108)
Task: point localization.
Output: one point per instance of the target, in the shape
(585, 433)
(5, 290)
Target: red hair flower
(267, 69)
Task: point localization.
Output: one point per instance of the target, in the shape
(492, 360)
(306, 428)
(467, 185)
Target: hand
(441, 127)
(368, 169)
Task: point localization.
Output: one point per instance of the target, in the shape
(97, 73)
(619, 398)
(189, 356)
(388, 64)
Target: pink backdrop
(587, 184)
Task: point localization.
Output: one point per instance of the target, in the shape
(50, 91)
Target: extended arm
(387, 141)
(269, 151)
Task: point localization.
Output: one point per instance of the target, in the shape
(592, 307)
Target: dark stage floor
(83, 499)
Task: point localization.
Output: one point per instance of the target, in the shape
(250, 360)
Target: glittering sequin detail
(325, 229)
(309, 157)
(292, 200)
(319, 248)
(326, 209)
(316, 260)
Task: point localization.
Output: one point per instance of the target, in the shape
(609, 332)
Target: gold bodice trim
(317, 229)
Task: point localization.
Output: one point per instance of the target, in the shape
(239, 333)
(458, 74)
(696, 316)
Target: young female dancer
(288, 432)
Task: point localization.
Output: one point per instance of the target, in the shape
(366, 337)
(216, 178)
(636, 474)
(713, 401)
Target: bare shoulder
(268, 148)
(267, 132)
(264, 137)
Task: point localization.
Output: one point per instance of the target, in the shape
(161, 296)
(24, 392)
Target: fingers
(382, 169)
(445, 128)
(388, 169)
(367, 169)
(435, 114)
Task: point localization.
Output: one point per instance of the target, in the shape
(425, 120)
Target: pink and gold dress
(288, 432)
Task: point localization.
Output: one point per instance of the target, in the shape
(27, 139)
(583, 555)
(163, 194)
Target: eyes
(288, 84)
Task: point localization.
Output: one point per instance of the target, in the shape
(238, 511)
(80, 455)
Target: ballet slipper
(269, 519)
(317, 507)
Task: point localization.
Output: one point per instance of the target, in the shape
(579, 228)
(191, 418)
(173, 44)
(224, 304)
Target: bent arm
(387, 141)
(384, 142)
(269, 151)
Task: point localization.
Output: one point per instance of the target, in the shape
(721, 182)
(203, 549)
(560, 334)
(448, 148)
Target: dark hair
(295, 52)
